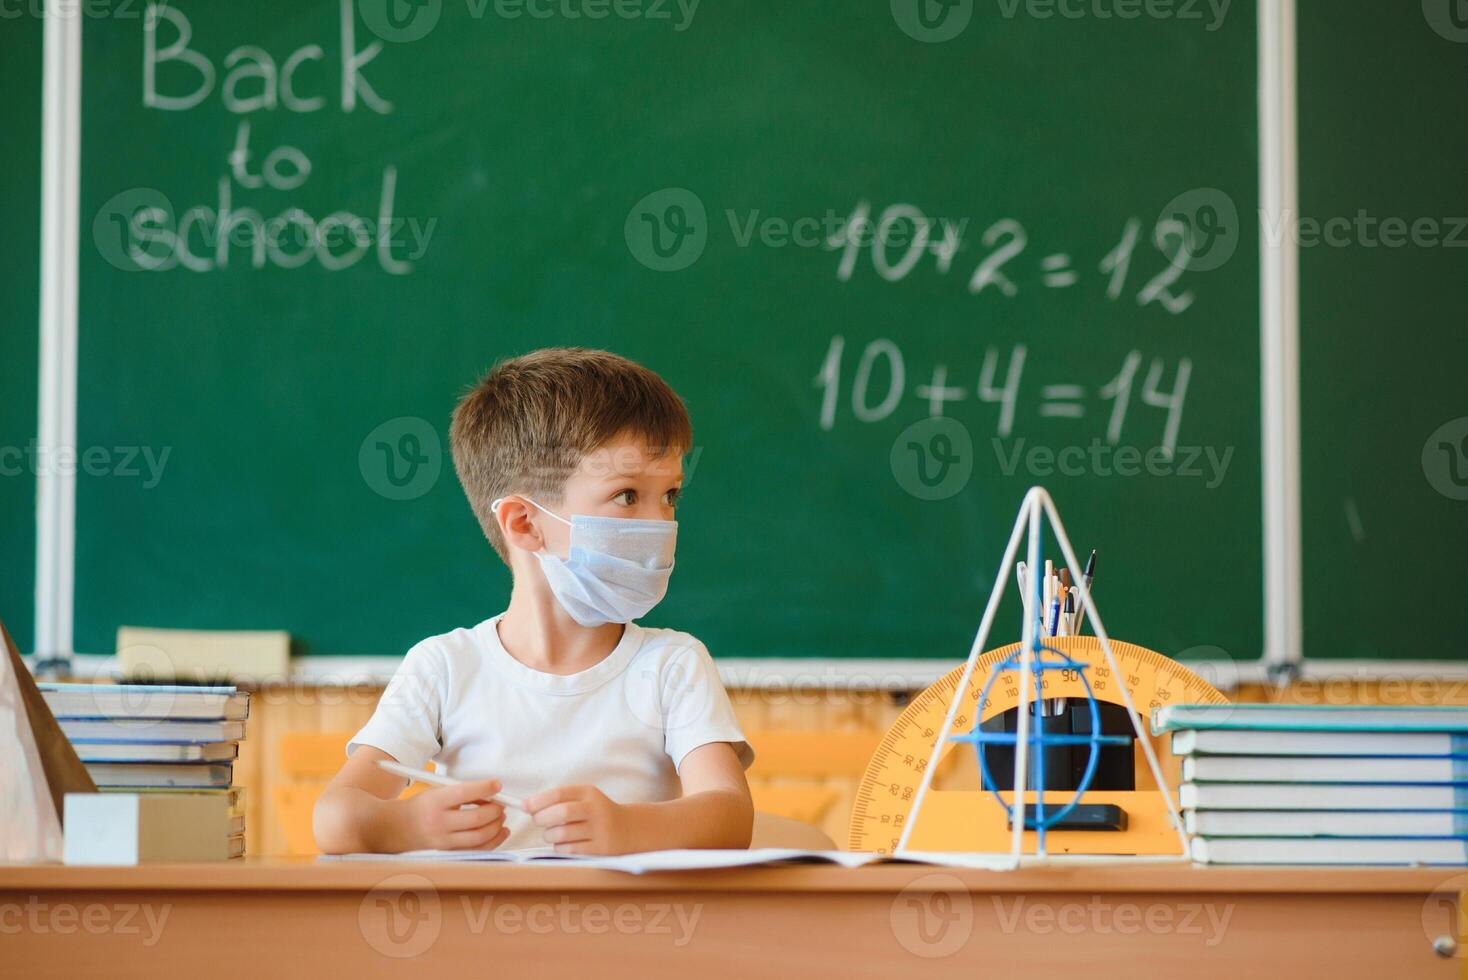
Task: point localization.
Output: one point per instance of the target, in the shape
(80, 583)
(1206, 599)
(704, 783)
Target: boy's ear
(514, 519)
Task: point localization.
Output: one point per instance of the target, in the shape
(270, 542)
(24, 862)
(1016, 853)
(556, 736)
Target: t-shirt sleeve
(698, 709)
(407, 723)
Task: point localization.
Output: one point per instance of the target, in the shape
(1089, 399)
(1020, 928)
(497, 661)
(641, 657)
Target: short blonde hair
(528, 423)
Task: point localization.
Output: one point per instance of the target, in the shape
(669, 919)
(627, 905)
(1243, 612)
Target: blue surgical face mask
(617, 569)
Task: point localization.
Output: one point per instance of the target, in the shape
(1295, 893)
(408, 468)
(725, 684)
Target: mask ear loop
(494, 506)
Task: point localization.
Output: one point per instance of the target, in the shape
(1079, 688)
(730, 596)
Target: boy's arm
(359, 811)
(714, 811)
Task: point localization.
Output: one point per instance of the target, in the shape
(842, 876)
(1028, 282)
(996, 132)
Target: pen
(438, 779)
(1068, 615)
(1086, 577)
(1054, 622)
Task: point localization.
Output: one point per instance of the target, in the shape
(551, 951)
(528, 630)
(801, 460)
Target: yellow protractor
(959, 815)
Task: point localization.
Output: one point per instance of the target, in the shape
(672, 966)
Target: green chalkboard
(530, 161)
(1383, 405)
(20, 274)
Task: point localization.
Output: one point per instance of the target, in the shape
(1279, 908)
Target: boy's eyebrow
(645, 474)
(624, 477)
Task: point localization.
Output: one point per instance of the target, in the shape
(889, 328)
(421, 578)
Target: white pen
(438, 779)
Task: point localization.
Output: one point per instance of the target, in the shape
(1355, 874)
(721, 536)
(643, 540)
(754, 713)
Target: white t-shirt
(622, 725)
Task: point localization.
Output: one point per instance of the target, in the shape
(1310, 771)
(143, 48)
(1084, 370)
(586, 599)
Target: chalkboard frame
(1279, 339)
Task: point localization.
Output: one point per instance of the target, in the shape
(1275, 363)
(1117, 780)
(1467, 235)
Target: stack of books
(149, 739)
(1288, 784)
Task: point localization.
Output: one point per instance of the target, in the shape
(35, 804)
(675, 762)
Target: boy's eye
(626, 497)
(671, 497)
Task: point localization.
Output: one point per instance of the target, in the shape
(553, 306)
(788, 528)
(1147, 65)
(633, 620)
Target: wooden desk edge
(307, 874)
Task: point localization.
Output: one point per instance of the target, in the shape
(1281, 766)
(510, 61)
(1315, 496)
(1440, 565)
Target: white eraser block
(145, 828)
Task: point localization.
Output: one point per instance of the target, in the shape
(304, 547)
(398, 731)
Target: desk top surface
(308, 874)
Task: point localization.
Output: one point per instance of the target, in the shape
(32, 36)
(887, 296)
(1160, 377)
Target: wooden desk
(273, 919)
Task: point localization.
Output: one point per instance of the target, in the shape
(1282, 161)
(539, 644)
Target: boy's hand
(582, 820)
(434, 818)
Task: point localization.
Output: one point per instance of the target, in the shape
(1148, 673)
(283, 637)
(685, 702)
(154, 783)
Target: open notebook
(692, 860)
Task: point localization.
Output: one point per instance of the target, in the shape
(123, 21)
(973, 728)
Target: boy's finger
(561, 813)
(479, 840)
(480, 816)
(569, 833)
(480, 789)
(550, 797)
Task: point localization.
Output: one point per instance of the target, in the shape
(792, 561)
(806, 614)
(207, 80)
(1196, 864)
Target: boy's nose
(654, 511)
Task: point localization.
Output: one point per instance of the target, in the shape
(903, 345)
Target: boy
(571, 460)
